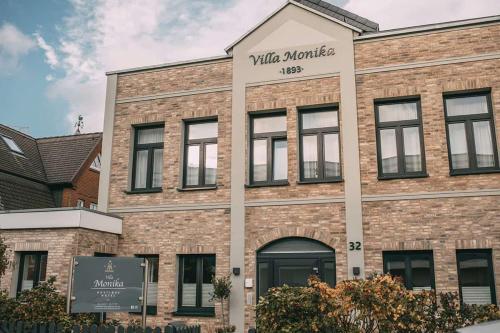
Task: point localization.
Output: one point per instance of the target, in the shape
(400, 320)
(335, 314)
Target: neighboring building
(48, 189)
(60, 171)
(318, 145)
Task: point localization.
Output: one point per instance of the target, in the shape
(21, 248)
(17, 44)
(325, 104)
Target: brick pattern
(443, 226)
(171, 111)
(429, 83)
(169, 234)
(85, 187)
(197, 76)
(290, 96)
(424, 47)
(61, 245)
(325, 223)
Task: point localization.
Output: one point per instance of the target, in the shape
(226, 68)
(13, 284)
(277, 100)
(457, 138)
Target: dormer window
(96, 164)
(12, 145)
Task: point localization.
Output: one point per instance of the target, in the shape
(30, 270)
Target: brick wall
(290, 96)
(171, 111)
(323, 222)
(428, 46)
(61, 245)
(169, 234)
(86, 185)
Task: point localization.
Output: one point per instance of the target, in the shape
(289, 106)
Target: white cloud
(49, 77)
(13, 45)
(50, 54)
(102, 35)
(404, 13)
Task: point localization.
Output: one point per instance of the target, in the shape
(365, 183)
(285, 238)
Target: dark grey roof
(63, 156)
(341, 14)
(26, 179)
(20, 193)
(28, 165)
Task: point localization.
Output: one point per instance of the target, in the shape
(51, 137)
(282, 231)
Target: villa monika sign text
(113, 284)
(291, 55)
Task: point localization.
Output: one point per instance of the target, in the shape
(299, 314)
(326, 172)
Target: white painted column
(352, 173)
(107, 143)
(237, 248)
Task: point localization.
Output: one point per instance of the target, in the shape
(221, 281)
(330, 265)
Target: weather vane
(79, 124)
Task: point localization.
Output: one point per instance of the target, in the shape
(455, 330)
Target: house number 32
(354, 246)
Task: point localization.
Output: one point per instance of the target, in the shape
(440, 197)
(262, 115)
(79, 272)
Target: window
(268, 149)
(400, 143)
(93, 206)
(195, 284)
(80, 203)
(148, 158)
(153, 267)
(416, 268)
(471, 133)
(475, 277)
(12, 145)
(96, 163)
(200, 154)
(32, 270)
(319, 145)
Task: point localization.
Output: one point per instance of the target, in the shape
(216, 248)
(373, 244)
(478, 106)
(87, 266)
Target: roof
(341, 14)
(63, 156)
(21, 193)
(28, 165)
(26, 179)
(325, 9)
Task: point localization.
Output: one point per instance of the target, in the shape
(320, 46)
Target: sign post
(145, 293)
(113, 284)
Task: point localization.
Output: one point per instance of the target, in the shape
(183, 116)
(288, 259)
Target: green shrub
(379, 304)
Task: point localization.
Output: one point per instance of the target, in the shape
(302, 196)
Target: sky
(54, 53)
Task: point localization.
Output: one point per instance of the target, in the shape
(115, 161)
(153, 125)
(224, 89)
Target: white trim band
(429, 63)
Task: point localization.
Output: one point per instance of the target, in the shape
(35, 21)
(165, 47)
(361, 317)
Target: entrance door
(292, 261)
(294, 272)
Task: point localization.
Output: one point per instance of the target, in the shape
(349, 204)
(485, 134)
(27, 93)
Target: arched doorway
(291, 261)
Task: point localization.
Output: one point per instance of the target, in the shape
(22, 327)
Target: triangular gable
(294, 3)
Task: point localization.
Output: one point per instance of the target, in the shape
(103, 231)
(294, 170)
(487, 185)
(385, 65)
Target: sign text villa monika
(291, 55)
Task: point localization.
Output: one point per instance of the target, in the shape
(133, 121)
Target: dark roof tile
(341, 14)
(63, 156)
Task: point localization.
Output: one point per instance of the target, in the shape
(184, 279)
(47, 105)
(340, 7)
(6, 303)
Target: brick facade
(86, 185)
(430, 224)
(440, 212)
(60, 244)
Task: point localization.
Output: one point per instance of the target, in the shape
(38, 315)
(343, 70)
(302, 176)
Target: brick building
(317, 145)
(48, 206)
(342, 151)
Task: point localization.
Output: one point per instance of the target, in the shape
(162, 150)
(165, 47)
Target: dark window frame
(150, 147)
(270, 138)
(38, 255)
(398, 126)
(320, 134)
(477, 253)
(20, 152)
(201, 143)
(468, 120)
(151, 310)
(408, 256)
(197, 310)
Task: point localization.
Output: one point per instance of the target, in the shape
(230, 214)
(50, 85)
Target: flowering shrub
(378, 304)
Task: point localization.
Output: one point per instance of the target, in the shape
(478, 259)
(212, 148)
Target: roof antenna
(79, 124)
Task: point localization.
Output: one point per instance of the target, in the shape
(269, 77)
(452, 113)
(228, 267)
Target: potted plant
(222, 290)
